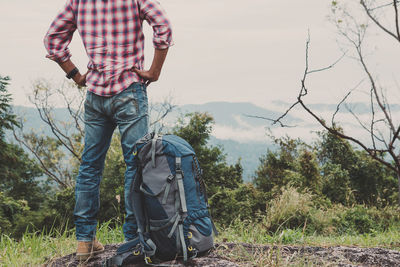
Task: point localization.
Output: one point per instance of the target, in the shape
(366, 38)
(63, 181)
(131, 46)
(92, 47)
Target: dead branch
(271, 120)
(34, 150)
(343, 100)
(373, 152)
(376, 21)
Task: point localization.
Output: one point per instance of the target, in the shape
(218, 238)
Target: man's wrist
(77, 78)
(72, 73)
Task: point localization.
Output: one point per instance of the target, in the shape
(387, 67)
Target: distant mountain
(357, 107)
(235, 114)
(240, 135)
(248, 153)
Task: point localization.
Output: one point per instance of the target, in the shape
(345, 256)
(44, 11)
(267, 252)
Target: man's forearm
(67, 67)
(158, 61)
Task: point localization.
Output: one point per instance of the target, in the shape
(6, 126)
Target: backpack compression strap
(183, 208)
(179, 179)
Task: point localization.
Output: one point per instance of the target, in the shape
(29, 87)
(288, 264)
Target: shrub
(244, 202)
(363, 220)
(290, 210)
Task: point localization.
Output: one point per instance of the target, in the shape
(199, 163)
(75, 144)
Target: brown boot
(86, 250)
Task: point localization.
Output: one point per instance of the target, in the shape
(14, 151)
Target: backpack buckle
(170, 178)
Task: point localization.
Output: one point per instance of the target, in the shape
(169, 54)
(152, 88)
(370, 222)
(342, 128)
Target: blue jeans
(129, 111)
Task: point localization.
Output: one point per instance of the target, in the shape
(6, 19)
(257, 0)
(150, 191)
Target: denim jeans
(129, 111)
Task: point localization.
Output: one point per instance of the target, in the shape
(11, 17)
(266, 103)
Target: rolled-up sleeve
(60, 35)
(155, 15)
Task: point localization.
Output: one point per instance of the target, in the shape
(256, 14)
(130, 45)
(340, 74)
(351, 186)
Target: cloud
(243, 135)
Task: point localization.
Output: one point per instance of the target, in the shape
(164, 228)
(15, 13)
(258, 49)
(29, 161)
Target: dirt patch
(232, 254)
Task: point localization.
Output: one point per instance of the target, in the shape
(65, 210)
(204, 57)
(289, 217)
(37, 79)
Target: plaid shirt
(111, 31)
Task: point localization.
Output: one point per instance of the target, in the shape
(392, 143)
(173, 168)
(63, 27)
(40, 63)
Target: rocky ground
(230, 254)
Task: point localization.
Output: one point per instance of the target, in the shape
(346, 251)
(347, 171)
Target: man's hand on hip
(153, 73)
(80, 79)
(148, 75)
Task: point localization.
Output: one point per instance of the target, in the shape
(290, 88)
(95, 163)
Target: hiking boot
(86, 250)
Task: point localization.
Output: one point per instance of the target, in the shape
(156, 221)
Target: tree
(294, 162)
(348, 168)
(382, 128)
(329, 168)
(7, 119)
(20, 191)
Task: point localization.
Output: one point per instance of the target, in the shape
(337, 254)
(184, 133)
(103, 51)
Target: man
(111, 31)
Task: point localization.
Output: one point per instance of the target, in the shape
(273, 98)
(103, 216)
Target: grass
(35, 249)
(240, 232)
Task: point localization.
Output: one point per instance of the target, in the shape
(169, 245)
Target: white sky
(229, 50)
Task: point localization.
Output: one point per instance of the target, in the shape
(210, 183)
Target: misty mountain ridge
(240, 135)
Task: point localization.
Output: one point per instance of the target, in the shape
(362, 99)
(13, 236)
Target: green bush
(363, 220)
(297, 210)
(244, 202)
(290, 210)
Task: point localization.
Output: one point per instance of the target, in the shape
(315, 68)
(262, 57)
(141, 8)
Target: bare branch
(365, 127)
(162, 113)
(383, 5)
(342, 101)
(75, 114)
(44, 167)
(271, 120)
(330, 66)
(368, 12)
(373, 152)
(396, 18)
(41, 98)
(394, 138)
(375, 90)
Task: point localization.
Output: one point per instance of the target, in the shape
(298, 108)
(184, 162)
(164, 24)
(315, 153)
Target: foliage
(336, 185)
(19, 176)
(294, 210)
(330, 168)
(362, 220)
(7, 118)
(244, 202)
(356, 174)
(9, 209)
(293, 163)
(290, 210)
(21, 194)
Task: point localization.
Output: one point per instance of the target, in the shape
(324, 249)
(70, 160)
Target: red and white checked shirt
(111, 31)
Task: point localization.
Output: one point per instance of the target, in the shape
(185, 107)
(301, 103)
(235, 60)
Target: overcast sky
(225, 50)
